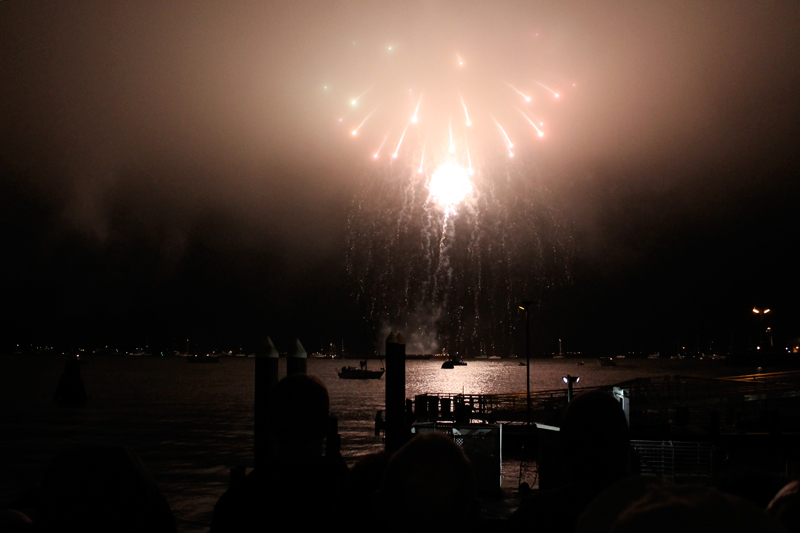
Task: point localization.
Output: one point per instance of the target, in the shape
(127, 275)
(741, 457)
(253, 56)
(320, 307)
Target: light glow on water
(192, 422)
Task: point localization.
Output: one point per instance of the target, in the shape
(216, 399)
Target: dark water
(191, 423)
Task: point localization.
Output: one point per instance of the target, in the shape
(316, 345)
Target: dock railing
(672, 459)
(656, 398)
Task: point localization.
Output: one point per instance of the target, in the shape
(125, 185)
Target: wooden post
(297, 360)
(266, 378)
(397, 430)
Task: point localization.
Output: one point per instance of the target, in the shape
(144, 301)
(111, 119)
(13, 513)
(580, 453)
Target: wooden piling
(397, 431)
(266, 378)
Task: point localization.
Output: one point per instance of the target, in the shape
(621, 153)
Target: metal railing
(673, 459)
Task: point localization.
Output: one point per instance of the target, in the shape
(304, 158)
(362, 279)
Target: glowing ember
(449, 185)
(461, 101)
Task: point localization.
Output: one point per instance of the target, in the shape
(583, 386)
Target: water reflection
(191, 423)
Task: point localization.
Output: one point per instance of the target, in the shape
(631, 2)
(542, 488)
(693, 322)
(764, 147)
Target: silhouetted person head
(360, 483)
(595, 435)
(71, 390)
(785, 507)
(428, 485)
(72, 366)
(298, 414)
(13, 521)
(604, 510)
(101, 488)
(594, 440)
(692, 509)
(297, 489)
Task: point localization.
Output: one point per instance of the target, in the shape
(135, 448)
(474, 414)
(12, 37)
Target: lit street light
(761, 313)
(569, 380)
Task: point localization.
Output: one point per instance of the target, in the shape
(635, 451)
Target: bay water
(191, 423)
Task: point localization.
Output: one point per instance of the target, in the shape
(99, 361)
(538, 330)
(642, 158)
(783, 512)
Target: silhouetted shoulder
(300, 490)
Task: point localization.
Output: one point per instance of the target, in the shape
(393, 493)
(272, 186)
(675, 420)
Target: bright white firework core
(449, 185)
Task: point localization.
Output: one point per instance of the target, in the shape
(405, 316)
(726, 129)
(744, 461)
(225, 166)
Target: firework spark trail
(532, 123)
(509, 144)
(400, 143)
(354, 101)
(355, 131)
(406, 212)
(474, 252)
(378, 151)
(451, 264)
(402, 216)
(523, 95)
(470, 170)
(443, 268)
(466, 113)
(496, 103)
(447, 87)
(415, 117)
(461, 290)
(555, 94)
(427, 255)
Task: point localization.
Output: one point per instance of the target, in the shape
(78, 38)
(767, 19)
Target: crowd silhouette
(427, 485)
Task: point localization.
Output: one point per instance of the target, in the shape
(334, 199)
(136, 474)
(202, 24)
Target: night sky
(174, 170)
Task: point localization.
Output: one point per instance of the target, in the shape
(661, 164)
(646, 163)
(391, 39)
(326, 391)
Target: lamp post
(569, 380)
(761, 313)
(525, 306)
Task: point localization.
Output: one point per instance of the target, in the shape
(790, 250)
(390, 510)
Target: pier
(766, 401)
(681, 426)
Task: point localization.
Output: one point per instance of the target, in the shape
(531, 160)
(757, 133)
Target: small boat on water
(447, 365)
(607, 361)
(351, 372)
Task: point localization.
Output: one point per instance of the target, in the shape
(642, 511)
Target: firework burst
(434, 113)
(449, 229)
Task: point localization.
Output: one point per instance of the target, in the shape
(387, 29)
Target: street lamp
(525, 306)
(761, 313)
(569, 380)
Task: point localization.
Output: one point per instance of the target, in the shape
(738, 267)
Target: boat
(448, 364)
(351, 372)
(607, 361)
